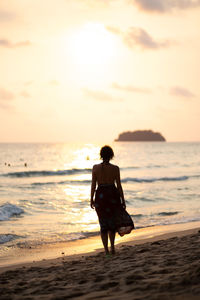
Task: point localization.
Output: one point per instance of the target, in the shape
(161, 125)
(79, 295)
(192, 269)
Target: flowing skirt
(112, 216)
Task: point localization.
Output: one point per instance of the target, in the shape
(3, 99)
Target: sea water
(45, 188)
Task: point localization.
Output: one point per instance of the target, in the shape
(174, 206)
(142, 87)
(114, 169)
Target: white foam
(5, 238)
(9, 210)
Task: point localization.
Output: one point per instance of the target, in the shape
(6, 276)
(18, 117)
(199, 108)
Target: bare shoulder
(96, 167)
(115, 167)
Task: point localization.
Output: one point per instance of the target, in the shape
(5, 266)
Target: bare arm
(93, 187)
(119, 187)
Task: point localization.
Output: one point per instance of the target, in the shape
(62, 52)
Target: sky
(87, 70)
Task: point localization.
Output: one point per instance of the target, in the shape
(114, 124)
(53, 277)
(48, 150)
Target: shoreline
(16, 257)
(164, 265)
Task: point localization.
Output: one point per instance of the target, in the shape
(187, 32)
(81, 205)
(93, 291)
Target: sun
(92, 46)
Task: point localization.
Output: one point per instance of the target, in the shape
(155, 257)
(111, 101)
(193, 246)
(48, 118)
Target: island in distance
(140, 136)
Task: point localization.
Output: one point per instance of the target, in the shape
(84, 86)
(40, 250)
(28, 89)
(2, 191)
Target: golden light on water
(85, 157)
(80, 212)
(78, 195)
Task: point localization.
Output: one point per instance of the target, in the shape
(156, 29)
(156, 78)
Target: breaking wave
(179, 178)
(5, 238)
(9, 210)
(124, 180)
(168, 213)
(45, 173)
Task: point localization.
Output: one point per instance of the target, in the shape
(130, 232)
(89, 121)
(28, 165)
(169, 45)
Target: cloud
(7, 44)
(181, 92)
(6, 106)
(114, 30)
(25, 94)
(100, 95)
(130, 88)
(163, 6)
(6, 16)
(138, 37)
(27, 83)
(5, 99)
(54, 82)
(6, 95)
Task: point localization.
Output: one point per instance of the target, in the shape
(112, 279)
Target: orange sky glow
(87, 70)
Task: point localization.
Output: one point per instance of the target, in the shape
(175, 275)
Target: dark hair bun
(106, 153)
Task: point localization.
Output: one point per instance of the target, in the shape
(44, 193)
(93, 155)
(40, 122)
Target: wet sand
(159, 267)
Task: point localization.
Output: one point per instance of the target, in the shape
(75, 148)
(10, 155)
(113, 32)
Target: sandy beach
(162, 266)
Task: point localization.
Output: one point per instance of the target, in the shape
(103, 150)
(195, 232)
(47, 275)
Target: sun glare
(92, 45)
(92, 50)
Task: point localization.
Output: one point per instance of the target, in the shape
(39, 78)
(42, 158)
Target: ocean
(45, 188)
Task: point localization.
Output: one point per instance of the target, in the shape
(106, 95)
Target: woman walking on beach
(109, 198)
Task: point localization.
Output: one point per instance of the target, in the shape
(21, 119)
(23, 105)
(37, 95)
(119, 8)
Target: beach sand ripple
(164, 269)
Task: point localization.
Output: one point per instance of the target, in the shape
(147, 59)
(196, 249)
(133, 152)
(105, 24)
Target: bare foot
(113, 251)
(107, 252)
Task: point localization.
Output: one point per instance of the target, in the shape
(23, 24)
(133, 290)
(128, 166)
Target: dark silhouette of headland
(140, 136)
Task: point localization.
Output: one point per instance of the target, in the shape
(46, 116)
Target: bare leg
(104, 237)
(112, 241)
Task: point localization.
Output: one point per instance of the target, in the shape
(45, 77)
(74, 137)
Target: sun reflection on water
(85, 157)
(77, 209)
